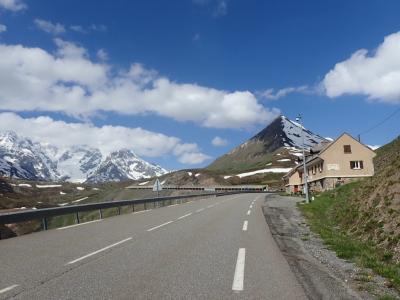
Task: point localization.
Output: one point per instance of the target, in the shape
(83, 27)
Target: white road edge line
(9, 288)
(75, 225)
(154, 228)
(200, 210)
(238, 279)
(140, 211)
(172, 205)
(248, 212)
(245, 225)
(98, 251)
(184, 216)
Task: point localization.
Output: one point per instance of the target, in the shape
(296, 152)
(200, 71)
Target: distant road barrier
(216, 188)
(44, 213)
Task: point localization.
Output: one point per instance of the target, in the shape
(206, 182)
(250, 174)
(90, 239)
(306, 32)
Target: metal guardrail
(44, 213)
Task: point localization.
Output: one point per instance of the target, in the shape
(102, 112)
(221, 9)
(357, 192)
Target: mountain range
(275, 149)
(22, 158)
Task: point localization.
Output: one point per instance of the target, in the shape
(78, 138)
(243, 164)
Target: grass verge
(328, 216)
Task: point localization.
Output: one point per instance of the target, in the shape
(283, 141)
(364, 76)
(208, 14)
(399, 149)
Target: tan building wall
(336, 163)
(333, 164)
(293, 183)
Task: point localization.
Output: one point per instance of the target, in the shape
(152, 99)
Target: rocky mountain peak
(283, 132)
(275, 147)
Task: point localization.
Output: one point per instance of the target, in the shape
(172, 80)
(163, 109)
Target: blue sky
(242, 51)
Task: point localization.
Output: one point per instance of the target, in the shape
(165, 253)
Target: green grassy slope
(246, 157)
(361, 220)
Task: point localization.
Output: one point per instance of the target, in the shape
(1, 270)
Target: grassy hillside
(19, 193)
(361, 220)
(248, 156)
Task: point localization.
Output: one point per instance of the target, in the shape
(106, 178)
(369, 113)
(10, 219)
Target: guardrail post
(119, 210)
(77, 217)
(100, 214)
(133, 207)
(145, 206)
(44, 223)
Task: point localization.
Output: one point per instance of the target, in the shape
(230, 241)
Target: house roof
(321, 146)
(345, 133)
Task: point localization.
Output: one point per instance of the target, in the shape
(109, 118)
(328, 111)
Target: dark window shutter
(347, 148)
(361, 164)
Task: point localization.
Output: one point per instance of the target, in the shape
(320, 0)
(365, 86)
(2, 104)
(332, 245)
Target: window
(357, 165)
(347, 149)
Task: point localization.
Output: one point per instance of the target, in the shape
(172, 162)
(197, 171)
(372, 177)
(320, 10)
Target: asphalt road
(215, 248)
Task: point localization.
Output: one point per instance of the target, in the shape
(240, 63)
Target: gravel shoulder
(321, 273)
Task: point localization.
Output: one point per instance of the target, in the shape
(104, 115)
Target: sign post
(157, 187)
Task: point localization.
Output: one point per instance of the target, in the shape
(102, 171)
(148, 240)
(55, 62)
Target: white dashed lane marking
(245, 224)
(184, 216)
(238, 278)
(159, 226)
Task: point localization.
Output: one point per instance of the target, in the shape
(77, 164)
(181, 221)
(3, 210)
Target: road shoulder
(320, 272)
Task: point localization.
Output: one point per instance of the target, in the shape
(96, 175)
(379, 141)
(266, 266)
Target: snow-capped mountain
(283, 132)
(276, 146)
(22, 158)
(78, 163)
(124, 164)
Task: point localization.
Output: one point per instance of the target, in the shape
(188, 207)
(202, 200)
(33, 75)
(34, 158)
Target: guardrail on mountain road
(45, 213)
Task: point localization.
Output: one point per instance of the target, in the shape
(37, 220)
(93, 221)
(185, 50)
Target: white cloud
(49, 27)
(107, 138)
(100, 28)
(13, 5)
(88, 29)
(219, 142)
(78, 28)
(3, 28)
(271, 94)
(220, 6)
(221, 9)
(68, 81)
(102, 55)
(375, 75)
(193, 158)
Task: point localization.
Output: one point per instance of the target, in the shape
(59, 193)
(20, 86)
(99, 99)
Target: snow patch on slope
(271, 170)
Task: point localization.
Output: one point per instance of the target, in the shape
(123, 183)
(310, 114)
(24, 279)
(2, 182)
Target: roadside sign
(157, 186)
